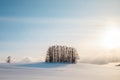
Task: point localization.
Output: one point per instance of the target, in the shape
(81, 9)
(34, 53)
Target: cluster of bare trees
(61, 54)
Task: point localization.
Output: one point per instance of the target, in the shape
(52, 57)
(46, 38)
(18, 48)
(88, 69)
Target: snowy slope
(56, 71)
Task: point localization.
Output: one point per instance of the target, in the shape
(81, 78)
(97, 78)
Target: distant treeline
(61, 54)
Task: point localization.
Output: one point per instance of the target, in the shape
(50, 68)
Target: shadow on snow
(45, 65)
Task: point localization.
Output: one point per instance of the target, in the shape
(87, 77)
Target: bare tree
(58, 53)
(8, 59)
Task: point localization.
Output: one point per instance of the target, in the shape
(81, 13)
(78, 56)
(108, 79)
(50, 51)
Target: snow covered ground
(56, 71)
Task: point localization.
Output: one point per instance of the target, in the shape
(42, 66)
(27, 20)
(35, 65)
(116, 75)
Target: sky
(29, 27)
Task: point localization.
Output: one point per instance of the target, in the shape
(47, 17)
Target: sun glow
(111, 38)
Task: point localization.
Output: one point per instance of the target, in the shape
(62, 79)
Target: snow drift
(58, 71)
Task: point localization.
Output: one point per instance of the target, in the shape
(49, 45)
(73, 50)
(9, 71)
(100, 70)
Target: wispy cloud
(101, 58)
(54, 20)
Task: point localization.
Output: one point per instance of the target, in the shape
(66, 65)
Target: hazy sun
(111, 38)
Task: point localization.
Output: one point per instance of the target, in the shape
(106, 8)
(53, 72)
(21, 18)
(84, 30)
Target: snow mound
(58, 71)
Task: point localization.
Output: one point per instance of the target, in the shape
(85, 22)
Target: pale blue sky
(29, 27)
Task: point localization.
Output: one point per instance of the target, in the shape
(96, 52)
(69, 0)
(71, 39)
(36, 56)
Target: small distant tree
(8, 59)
